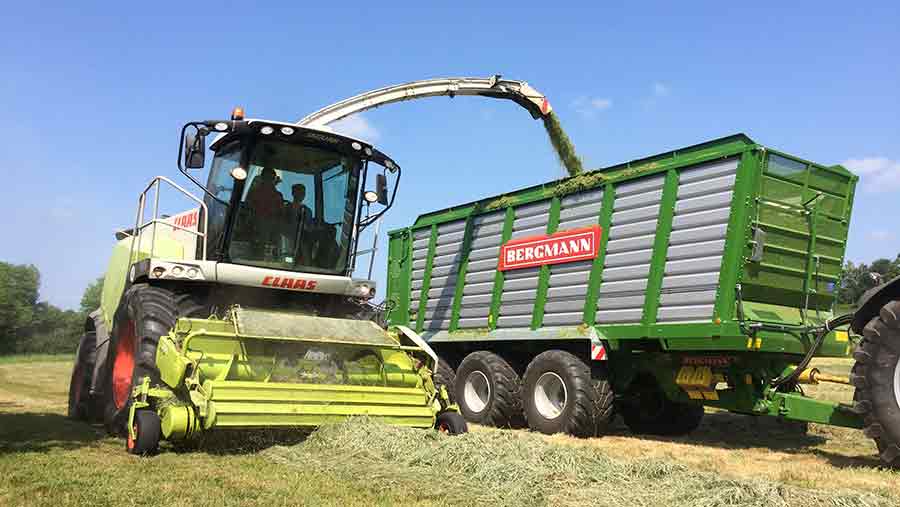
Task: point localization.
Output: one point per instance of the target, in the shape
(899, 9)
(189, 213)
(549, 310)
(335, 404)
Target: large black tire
(487, 391)
(646, 410)
(445, 376)
(146, 313)
(876, 376)
(561, 396)
(148, 429)
(81, 401)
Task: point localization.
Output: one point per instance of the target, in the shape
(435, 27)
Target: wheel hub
(123, 365)
(477, 391)
(550, 395)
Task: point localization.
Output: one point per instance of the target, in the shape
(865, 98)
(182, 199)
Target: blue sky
(94, 94)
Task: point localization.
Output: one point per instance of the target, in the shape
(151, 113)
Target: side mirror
(381, 189)
(194, 151)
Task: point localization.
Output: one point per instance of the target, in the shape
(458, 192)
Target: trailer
(699, 277)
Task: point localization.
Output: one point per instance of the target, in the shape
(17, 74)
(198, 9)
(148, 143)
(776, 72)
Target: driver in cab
(263, 197)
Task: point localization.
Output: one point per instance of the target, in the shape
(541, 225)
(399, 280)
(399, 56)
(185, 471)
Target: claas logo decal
(564, 246)
(289, 283)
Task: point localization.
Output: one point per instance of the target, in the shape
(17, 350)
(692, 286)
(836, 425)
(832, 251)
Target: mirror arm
(181, 154)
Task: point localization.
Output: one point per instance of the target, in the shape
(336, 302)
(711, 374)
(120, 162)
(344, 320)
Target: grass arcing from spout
(562, 145)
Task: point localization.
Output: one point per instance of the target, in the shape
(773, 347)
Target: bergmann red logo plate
(564, 246)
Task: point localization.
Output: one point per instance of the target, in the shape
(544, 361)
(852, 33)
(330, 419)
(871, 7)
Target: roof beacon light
(237, 114)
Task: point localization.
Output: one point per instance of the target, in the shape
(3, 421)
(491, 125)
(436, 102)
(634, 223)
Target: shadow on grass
(36, 432)
(726, 430)
(246, 441)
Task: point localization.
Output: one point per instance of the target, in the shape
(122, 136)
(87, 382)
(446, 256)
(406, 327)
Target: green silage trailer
(703, 276)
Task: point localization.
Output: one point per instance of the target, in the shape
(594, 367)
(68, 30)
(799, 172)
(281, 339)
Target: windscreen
(297, 209)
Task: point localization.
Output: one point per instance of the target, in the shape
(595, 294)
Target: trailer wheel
(487, 391)
(876, 376)
(560, 396)
(148, 431)
(445, 376)
(451, 423)
(81, 402)
(647, 410)
(146, 313)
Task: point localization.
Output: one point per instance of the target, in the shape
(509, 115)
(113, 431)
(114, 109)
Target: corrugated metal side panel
(438, 306)
(697, 243)
(568, 283)
(419, 254)
(487, 231)
(628, 251)
(520, 285)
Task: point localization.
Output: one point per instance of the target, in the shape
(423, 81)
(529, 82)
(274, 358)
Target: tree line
(856, 279)
(31, 326)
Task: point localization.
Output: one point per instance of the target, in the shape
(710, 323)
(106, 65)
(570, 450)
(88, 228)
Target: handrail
(140, 224)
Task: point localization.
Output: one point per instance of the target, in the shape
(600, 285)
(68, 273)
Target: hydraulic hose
(821, 332)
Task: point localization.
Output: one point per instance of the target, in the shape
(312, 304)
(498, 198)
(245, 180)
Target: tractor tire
(146, 313)
(650, 412)
(148, 431)
(451, 423)
(560, 396)
(445, 376)
(487, 391)
(876, 376)
(81, 401)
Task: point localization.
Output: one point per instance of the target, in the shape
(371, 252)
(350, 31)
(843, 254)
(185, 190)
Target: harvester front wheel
(487, 391)
(876, 376)
(451, 423)
(146, 313)
(147, 429)
(647, 410)
(81, 402)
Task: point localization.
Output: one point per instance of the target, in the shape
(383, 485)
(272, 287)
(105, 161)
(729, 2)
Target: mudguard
(95, 321)
(872, 301)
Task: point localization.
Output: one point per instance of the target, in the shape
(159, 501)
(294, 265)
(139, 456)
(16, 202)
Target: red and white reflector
(598, 352)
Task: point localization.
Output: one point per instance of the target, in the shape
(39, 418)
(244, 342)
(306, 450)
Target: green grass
(35, 358)
(47, 459)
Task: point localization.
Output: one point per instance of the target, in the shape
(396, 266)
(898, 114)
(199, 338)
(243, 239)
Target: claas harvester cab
(242, 311)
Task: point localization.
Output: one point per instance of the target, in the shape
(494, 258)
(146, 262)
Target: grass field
(46, 459)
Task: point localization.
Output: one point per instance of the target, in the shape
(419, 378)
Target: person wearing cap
(264, 197)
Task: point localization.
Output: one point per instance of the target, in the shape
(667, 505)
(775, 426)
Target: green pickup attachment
(269, 369)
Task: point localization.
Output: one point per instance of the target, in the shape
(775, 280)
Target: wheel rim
(897, 383)
(550, 395)
(123, 365)
(477, 391)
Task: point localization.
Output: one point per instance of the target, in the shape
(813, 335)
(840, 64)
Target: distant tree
(52, 330)
(90, 301)
(18, 295)
(856, 279)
